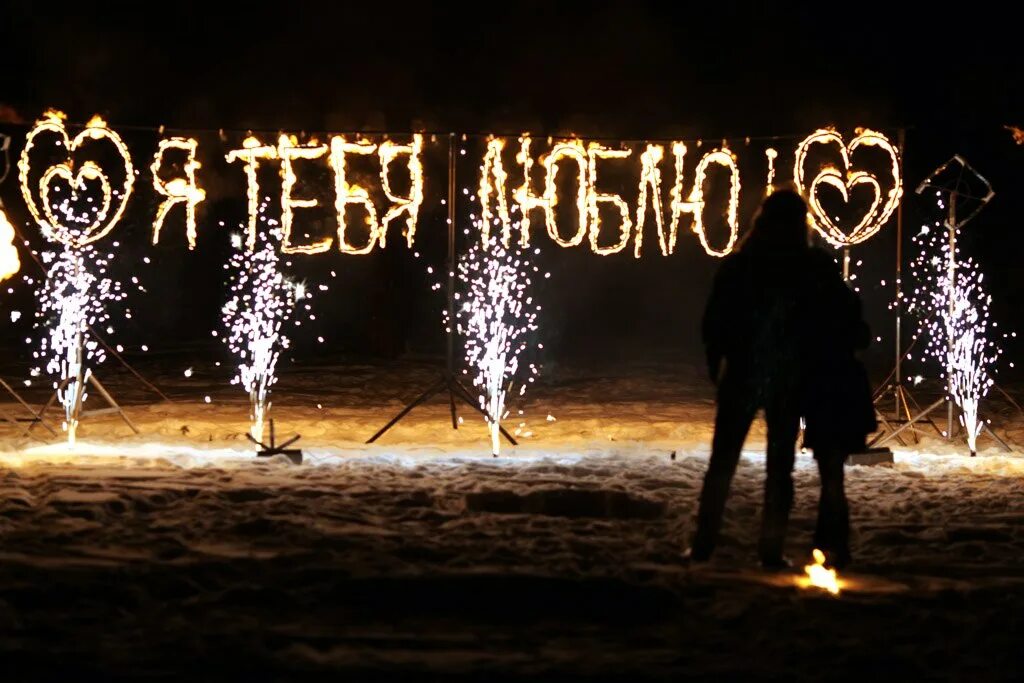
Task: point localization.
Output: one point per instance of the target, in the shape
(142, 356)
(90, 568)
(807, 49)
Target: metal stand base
(871, 457)
(37, 418)
(114, 407)
(902, 415)
(274, 448)
(455, 389)
(447, 382)
(882, 439)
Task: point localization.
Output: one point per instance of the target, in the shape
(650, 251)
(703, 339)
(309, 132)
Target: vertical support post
(846, 264)
(451, 265)
(951, 274)
(901, 142)
(78, 387)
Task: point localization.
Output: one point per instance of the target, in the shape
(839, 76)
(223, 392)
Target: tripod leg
(1009, 398)
(110, 399)
(917, 407)
(901, 396)
(882, 440)
(465, 396)
(35, 416)
(13, 422)
(991, 432)
(53, 398)
(113, 352)
(879, 397)
(76, 416)
(884, 386)
(430, 391)
(886, 425)
(451, 405)
(885, 422)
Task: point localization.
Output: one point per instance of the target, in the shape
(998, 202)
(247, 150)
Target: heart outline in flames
(104, 221)
(880, 210)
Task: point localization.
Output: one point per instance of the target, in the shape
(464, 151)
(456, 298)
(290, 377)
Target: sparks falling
(262, 301)
(953, 313)
(494, 316)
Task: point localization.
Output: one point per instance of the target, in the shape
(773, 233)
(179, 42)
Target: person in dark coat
(838, 408)
(754, 332)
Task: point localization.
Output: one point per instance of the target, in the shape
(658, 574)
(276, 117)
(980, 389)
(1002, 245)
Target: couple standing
(781, 330)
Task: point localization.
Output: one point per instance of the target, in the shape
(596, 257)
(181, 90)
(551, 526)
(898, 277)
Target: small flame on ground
(819, 576)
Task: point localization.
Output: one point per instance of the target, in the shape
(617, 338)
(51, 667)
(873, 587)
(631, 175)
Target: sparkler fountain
(951, 304)
(75, 204)
(954, 310)
(73, 296)
(495, 317)
(76, 289)
(262, 301)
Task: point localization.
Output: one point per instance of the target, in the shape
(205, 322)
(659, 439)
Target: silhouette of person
(755, 336)
(838, 407)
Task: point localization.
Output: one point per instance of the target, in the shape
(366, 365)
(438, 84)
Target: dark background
(619, 70)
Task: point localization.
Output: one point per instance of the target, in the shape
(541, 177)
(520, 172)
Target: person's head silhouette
(780, 222)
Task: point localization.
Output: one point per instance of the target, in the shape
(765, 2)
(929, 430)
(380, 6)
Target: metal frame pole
(448, 381)
(951, 284)
(451, 265)
(901, 142)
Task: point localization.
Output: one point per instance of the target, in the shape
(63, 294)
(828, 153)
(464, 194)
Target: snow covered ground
(176, 553)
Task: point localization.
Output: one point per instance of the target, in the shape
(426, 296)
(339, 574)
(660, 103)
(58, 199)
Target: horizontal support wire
(439, 133)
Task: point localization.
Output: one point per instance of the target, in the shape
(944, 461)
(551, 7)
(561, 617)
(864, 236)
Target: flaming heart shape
(104, 219)
(881, 206)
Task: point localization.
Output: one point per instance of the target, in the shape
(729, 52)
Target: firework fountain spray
(262, 302)
(74, 297)
(495, 315)
(953, 309)
(79, 206)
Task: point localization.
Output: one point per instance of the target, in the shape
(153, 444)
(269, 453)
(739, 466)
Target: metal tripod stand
(952, 226)
(894, 385)
(448, 382)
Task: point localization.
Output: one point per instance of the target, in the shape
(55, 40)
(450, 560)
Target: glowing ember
(820, 576)
(262, 301)
(9, 261)
(771, 154)
(495, 316)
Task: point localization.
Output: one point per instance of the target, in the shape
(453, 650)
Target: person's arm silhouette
(716, 322)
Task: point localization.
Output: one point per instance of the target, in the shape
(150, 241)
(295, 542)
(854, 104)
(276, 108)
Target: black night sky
(626, 69)
(619, 70)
